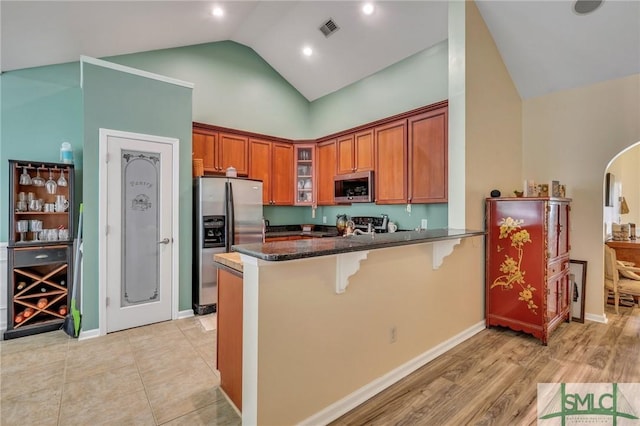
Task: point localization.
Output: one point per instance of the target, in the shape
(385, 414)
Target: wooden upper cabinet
(203, 144)
(345, 154)
(232, 150)
(364, 151)
(326, 170)
(272, 163)
(391, 163)
(282, 174)
(427, 149)
(260, 166)
(220, 150)
(355, 152)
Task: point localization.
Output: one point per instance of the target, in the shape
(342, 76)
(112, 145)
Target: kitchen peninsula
(329, 322)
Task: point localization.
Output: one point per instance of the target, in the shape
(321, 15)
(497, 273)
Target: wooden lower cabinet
(527, 270)
(229, 334)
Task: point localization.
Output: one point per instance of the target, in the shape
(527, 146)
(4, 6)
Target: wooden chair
(620, 278)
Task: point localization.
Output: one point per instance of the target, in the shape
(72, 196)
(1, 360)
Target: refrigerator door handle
(230, 225)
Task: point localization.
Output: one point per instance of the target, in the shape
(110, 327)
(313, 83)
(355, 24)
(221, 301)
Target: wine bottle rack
(39, 267)
(37, 273)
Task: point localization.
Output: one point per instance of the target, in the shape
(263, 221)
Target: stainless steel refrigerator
(227, 211)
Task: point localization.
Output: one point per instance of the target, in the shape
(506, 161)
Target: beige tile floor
(161, 374)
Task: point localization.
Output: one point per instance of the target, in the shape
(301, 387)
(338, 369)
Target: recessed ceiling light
(307, 51)
(368, 8)
(583, 7)
(217, 11)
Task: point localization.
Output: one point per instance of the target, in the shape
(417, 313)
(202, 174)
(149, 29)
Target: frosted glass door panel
(140, 227)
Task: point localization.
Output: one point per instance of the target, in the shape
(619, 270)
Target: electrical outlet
(393, 334)
(324, 219)
(423, 224)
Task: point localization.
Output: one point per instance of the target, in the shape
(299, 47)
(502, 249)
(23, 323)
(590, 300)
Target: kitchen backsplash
(436, 214)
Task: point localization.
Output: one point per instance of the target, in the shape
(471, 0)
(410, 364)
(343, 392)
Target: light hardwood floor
(491, 379)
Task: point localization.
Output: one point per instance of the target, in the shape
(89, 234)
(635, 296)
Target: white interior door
(139, 262)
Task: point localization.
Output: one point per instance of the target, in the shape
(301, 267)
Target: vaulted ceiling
(545, 45)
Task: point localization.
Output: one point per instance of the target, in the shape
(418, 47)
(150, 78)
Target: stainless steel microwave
(354, 188)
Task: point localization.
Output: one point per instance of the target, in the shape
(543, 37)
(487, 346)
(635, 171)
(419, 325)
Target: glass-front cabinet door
(305, 175)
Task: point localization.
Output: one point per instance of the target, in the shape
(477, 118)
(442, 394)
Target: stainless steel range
(378, 223)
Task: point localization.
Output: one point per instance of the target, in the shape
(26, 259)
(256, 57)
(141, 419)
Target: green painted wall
(234, 87)
(419, 80)
(416, 81)
(39, 109)
(121, 101)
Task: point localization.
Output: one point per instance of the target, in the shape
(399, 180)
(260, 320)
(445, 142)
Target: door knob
(164, 241)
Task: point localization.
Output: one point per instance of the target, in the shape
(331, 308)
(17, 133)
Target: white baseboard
(358, 397)
(596, 318)
(185, 314)
(89, 334)
(3, 286)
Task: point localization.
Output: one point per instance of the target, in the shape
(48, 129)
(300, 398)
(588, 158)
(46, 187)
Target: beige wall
(315, 347)
(572, 136)
(493, 121)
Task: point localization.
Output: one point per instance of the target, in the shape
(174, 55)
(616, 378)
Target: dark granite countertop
(312, 247)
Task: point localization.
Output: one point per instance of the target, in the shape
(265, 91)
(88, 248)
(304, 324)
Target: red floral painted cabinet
(527, 270)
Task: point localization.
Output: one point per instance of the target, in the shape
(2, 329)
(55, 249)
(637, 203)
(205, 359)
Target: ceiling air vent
(329, 27)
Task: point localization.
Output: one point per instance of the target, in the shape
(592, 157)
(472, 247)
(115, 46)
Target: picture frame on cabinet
(578, 284)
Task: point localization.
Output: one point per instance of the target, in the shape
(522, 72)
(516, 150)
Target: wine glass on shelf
(25, 178)
(35, 226)
(38, 180)
(62, 181)
(51, 185)
(22, 226)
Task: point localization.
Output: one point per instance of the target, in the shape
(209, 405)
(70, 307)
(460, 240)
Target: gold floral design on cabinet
(510, 267)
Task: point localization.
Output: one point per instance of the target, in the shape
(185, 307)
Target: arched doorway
(621, 201)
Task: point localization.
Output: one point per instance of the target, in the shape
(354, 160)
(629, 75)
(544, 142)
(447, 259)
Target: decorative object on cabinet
(624, 207)
(620, 231)
(578, 281)
(527, 270)
(39, 248)
(495, 193)
(198, 167)
(616, 283)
